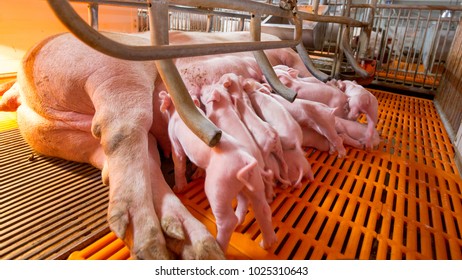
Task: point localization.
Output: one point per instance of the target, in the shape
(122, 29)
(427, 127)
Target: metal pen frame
(163, 53)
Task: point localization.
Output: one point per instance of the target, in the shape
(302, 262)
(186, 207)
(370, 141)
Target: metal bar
(416, 18)
(315, 6)
(209, 27)
(265, 65)
(241, 25)
(431, 56)
(348, 52)
(370, 20)
(412, 89)
(93, 15)
(445, 41)
(420, 7)
(246, 6)
(400, 47)
(202, 11)
(338, 58)
(309, 63)
(414, 53)
(187, 110)
(387, 70)
(103, 44)
(420, 61)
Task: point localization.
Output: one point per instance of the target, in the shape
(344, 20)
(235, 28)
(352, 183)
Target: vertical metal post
(339, 51)
(187, 110)
(315, 6)
(93, 15)
(241, 25)
(209, 27)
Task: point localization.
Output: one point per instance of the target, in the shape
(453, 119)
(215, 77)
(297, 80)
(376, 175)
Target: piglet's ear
(214, 96)
(166, 101)
(196, 101)
(285, 81)
(293, 72)
(341, 85)
(281, 67)
(248, 85)
(227, 81)
(266, 88)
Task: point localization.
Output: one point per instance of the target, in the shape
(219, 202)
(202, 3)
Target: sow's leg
(122, 120)
(70, 140)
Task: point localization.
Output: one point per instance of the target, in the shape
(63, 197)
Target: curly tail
(10, 100)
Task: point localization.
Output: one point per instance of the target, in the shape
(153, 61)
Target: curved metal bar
(199, 125)
(265, 65)
(93, 38)
(301, 50)
(272, 78)
(187, 110)
(345, 46)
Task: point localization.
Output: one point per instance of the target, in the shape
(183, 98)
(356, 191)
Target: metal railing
(409, 43)
(160, 50)
(414, 44)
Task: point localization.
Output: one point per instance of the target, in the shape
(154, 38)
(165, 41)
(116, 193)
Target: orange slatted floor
(402, 201)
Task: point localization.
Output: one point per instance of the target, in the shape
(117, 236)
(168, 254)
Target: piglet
(312, 89)
(265, 136)
(354, 133)
(289, 131)
(313, 139)
(317, 116)
(361, 101)
(220, 110)
(231, 172)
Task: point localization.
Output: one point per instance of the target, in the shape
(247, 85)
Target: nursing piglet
(317, 116)
(360, 101)
(290, 132)
(220, 110)
(265, 136)
(314, 90)
(230, 170)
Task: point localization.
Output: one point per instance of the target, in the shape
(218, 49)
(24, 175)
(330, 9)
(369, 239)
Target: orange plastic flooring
(402, 201)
